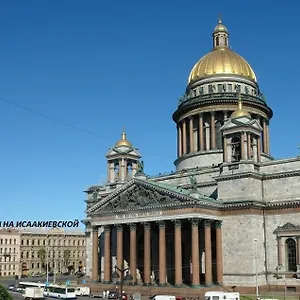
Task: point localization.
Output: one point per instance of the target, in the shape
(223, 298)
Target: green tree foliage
(4, 294)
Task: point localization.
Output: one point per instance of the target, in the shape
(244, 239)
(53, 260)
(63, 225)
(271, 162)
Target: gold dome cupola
(240, 111)
(220, 35)
(221, 60)
(123, 142)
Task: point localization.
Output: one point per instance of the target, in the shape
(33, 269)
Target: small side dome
(240, 112)
(123, 142)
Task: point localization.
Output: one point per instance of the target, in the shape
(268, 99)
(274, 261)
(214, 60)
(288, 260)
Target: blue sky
(104, 65)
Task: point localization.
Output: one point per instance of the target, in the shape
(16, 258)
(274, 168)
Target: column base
(178, 285)
(106, 282)
(147, 284)
(162, 285)
(209, 284)
(196, 286)
(95, 281)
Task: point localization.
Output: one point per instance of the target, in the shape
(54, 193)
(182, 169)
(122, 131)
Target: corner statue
(193, 182)
(140, 167)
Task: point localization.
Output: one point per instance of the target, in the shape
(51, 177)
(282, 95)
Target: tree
(42, 256)
(67, 254)
(4, 294)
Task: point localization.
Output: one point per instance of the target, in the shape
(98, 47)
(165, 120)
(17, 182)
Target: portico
(165, 241)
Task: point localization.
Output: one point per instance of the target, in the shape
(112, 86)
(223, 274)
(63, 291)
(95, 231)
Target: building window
(291, 255)
(27, 242)
(22, 242)
(229, 87)
(219, 142)
(236, 148)
(220, 88)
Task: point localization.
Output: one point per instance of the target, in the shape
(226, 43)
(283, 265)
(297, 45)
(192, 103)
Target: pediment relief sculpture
(138, 197)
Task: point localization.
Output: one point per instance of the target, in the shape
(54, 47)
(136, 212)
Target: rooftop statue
(140, 167)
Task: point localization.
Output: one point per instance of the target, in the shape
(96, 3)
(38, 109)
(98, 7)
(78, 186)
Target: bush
(4, 294)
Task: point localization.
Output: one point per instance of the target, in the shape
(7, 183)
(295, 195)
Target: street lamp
(256, 270)
(127, 279)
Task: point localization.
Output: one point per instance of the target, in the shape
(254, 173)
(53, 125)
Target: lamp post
(47, 264)
(256, 270)
(115, 276)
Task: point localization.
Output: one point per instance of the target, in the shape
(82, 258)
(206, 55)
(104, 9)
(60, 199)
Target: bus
(24, 285)
(60, 292)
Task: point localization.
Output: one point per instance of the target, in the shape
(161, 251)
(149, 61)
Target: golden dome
(240, 112)
(123, 142)
(220, 27)
(221, 61)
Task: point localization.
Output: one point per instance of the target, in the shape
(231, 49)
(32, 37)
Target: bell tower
(241, 137)
(241, 158)
(122, 161)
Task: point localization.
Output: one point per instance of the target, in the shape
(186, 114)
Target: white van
(82, 291)
(163, 297)
(221, 296)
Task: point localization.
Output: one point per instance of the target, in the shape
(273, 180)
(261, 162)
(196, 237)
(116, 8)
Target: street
(59, 278)
(18, 296)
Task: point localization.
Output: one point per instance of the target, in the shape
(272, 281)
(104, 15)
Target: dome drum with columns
(215, 84)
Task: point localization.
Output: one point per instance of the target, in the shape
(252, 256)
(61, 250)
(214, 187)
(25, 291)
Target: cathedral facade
(228, 215)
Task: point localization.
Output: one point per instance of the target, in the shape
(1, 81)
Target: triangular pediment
(287, 227)
(241, 122)
(123, 150)
(140, 194)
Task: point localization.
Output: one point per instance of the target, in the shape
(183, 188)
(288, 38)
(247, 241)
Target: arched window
(236, 148)
(291, 255)
(217, 41)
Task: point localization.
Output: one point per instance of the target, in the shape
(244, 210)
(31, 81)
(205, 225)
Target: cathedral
(229, 215)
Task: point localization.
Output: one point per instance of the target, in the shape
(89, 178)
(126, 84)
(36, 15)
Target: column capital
(95, 229)
(119, 227)
(207, 223)
(194, 221)
(218, 224)
(161, 224)
(200, 115)
(191, 117)
(107, 228)
(132, 226)
(146, 225)
(177, 223)
(212, 113)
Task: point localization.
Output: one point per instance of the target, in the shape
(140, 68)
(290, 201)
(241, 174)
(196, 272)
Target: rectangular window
(229, 86)
(220, 88)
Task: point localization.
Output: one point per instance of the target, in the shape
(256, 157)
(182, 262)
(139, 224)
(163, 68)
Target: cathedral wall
(272, 222)
(240, 189)
(281, 189)
(281, 165)
(239, 249)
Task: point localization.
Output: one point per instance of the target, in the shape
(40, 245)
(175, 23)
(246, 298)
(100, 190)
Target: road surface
(59, 278)
(18, 296)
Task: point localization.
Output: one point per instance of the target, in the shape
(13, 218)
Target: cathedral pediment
(140, 194)
(287, 227)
